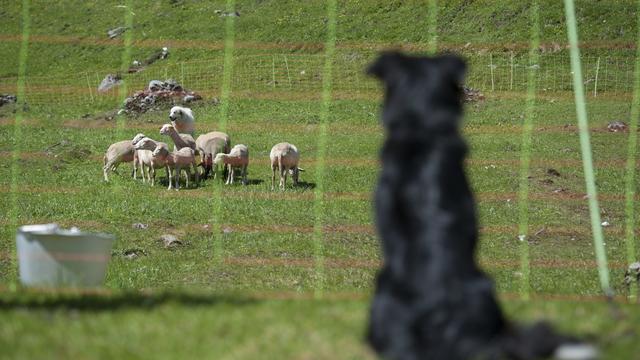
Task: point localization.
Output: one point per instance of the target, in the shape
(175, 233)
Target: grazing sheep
(182, 119)
(284, 156)
(238, 157)
(209, 145)
(177, 161)
(145, 145)
(117, 153)
(179, 140)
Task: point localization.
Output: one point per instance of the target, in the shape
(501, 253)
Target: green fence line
(225, 96)
(525, 156)
(17, 128)
(585, 147)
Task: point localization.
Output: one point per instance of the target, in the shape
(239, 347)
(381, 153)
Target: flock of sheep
(207, 151)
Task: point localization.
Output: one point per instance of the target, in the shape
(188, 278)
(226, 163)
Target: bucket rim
(52, 230)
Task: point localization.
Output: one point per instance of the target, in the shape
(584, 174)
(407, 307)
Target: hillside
(71, 36)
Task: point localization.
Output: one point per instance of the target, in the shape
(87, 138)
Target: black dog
(432, 301)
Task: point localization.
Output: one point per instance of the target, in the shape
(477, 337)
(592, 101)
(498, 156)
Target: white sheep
(176, 161)
(285, 158)
(147, 145)
(238, 157)
(182, 119)
(136, 161)
(179, 140)
(117, 153)
(209, 145)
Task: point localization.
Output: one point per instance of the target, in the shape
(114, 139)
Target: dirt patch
(65, 152)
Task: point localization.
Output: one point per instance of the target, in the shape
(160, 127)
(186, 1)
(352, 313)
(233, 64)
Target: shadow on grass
(306, 185)
(96, 301)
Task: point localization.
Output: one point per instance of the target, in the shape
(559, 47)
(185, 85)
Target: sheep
(175, 162)
(145, 145)
(136, 161)
(179, 140)
(284, 156)
(238, 157)
(182, 119)
(209, 145)
(117, 153)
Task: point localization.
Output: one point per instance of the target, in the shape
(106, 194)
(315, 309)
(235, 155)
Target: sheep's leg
(232, 174)
(187, 170)
(141, 165)
(135, 170)
(153, 175)
(104, 168)
(273, 177)
(105, 171)
(283, 178)
(169, 177)
(197, 175)
(176, 177)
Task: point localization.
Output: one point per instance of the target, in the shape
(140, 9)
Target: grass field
(254, 278)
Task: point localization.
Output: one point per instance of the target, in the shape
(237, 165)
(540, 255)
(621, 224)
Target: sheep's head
(160, 150)
(145, 144)
(295, 173)
(137, 138)
(166, 129)
(219, 159)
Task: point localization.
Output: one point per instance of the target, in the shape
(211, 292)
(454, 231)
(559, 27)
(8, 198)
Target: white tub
(52, 257)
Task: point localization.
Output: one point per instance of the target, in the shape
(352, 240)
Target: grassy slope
(331, 326)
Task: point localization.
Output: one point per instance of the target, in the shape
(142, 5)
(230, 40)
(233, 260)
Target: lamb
(182, 119)
(209, 145)
(284, 156)
(238, 157)
(175, 162)
(136, 161)
(117, 153)
(146, 146)
(179, 140)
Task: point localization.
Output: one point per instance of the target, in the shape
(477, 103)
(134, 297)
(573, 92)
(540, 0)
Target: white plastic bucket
(52, 257)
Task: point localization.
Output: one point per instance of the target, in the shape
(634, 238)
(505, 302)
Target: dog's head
(178, 113)
(423, 92)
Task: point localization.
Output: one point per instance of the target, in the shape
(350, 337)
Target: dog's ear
(455, 67)
(384, 65)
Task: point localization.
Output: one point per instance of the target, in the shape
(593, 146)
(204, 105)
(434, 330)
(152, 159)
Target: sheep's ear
(455, 67)
(386, 64)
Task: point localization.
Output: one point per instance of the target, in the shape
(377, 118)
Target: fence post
(511, 78)
(491, 68)
(89, 86)
(595, 85)
(286, 64)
